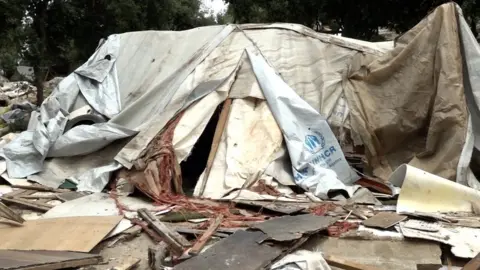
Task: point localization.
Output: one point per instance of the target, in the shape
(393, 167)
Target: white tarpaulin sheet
(317, 159)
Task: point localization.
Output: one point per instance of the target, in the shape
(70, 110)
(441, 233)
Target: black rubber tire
(85, 119)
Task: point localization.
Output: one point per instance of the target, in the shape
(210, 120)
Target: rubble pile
(255, 147)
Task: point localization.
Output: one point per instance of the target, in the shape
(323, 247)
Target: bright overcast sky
(215, 5)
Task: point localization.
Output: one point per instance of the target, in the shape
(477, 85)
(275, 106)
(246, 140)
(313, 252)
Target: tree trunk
(39, 65)
(39, 77)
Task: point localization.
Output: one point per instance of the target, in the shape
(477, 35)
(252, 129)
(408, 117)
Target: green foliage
(353, 18)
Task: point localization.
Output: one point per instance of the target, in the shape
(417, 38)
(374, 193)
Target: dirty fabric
(414, 94)
(318, 163)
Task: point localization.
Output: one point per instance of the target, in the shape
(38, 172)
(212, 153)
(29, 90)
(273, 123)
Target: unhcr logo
(314, 143)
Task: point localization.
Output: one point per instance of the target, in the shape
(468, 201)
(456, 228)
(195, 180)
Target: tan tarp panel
(409, 105)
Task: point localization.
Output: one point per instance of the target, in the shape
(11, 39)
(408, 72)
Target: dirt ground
(121, 251)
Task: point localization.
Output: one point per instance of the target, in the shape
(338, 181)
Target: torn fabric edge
(95, 180)
(318, 163)
(134, 149)
(470, 49)
(97, 78)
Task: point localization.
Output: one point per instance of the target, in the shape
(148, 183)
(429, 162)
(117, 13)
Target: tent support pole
(216, 141)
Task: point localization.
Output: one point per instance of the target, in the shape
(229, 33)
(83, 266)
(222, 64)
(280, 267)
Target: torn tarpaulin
(318, 163)
(26, 154)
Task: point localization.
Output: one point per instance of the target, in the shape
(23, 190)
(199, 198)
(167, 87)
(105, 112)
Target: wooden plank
(8, 213)
(41, 188)
(200, 232)
(62, 234)
(473, 264)
(176, 241)
(216, 142)
(198, 246)
(38, 197)
(347, 265)
(157, 255)
(45, 260)
(42, 207)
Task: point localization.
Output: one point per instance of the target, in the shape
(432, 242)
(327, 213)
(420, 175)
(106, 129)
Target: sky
(216, 5)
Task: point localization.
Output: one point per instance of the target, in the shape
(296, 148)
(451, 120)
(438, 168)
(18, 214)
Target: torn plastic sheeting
(425, 192)
(98, 81)
(302, 260)
(317, 159)
(96, 179)
(85, 139)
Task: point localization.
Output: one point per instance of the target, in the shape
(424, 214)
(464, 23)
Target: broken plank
(473, 264)
(176, 241)
(30, 204)
(200, 232)
(45, 260)
(38, 197)
(345, 264)
(157, 255)
(200, 244)
(41, 188)
(222, 120)
(10, 214)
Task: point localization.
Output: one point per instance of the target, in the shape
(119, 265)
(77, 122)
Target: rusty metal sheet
(290, 228)
(16, 259)
(238, 252)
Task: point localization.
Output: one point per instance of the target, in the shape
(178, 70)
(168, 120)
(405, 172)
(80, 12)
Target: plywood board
(62, 234)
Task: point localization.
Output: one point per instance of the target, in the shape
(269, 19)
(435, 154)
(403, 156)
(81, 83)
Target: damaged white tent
(159, 91)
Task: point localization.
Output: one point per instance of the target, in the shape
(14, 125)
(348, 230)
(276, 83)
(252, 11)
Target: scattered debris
(175, 241)
(202, 241)
(9, 214)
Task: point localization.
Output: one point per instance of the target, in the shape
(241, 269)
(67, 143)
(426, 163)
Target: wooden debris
(9, 214)
(344, 264)
(45, 260)
(474, 264)
(384, 220)
(198, 246)
(28, 197)
(157, 255)
(70, 196)
(216, 142)
(128, 264)
(41, 188)
(42, 207)
(176, 241)
(200, 232)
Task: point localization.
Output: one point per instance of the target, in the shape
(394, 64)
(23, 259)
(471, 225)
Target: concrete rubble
(237, 160)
